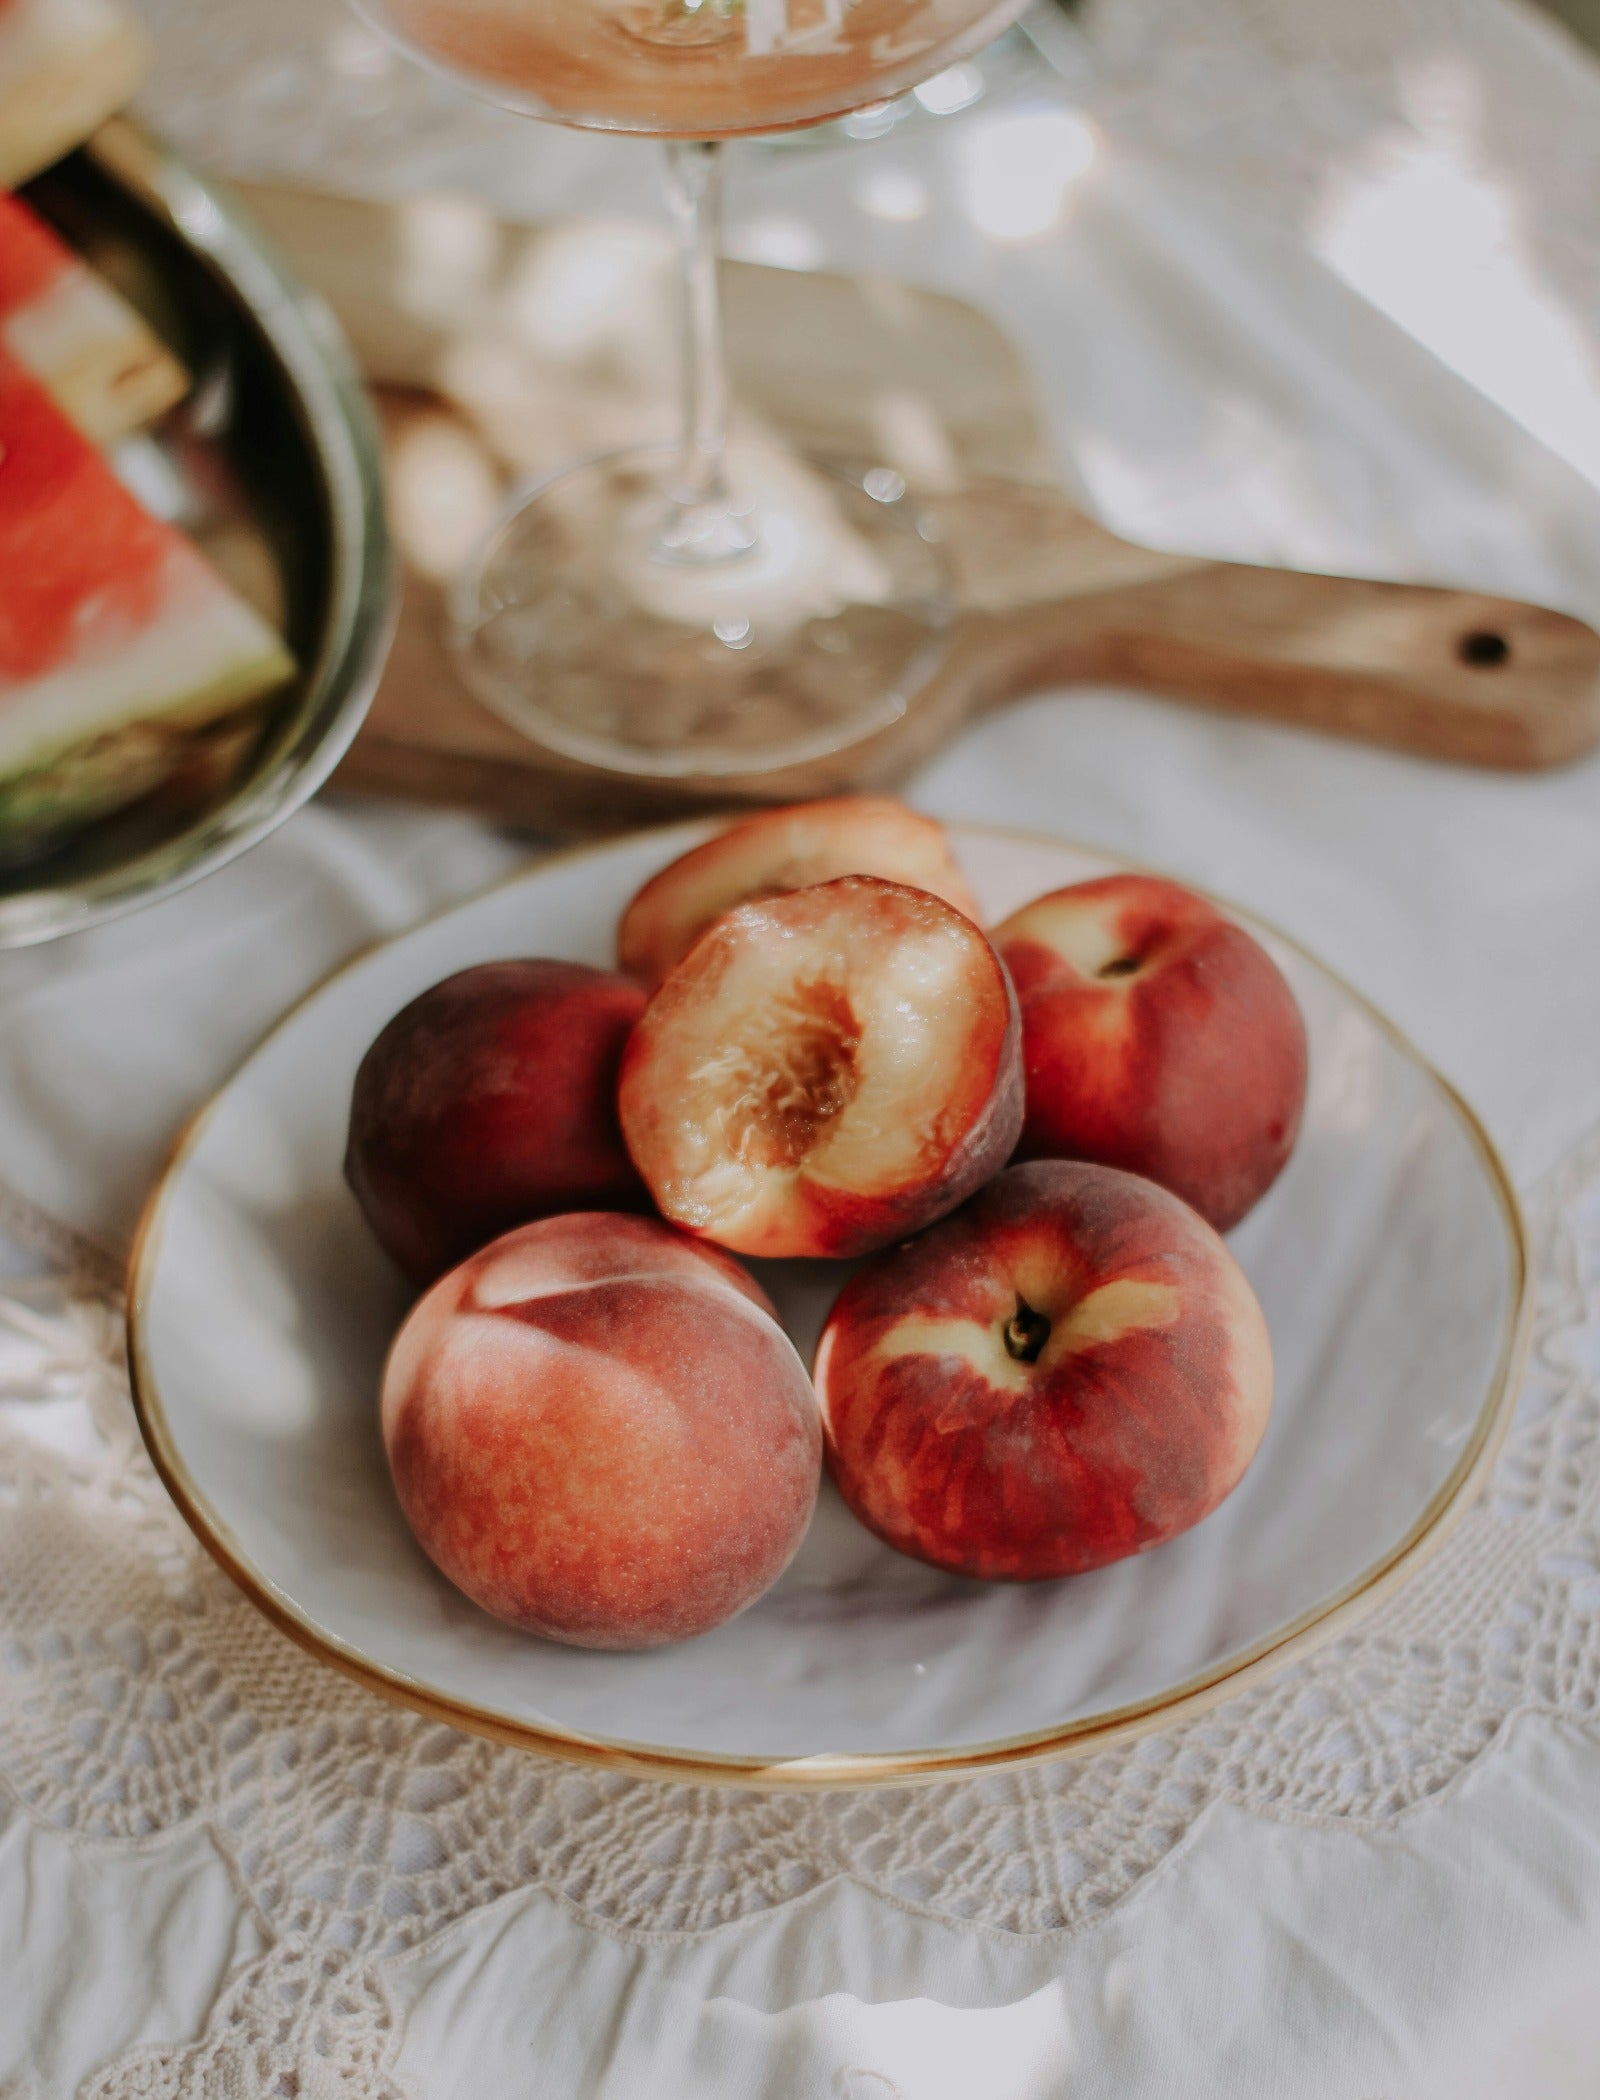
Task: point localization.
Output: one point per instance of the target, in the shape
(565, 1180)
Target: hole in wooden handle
(1484, 648)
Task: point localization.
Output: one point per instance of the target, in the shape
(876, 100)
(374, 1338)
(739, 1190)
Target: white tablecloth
(1352, 322)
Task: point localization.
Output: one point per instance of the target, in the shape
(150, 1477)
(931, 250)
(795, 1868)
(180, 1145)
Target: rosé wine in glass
(693, 68)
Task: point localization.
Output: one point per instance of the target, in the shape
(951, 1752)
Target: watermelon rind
(87, 740)
(103, 776)
(208, 655)
(99, 359)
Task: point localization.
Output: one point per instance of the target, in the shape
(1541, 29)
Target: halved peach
(825, 1072)
(781, 850)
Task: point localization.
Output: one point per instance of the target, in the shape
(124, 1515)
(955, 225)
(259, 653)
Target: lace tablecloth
(223, 1870)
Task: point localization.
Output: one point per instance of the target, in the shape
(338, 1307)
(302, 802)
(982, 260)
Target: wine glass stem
(702, 522)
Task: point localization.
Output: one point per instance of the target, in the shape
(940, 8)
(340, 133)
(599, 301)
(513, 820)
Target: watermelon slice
(70, 329)
(65, 66)
(120, 646)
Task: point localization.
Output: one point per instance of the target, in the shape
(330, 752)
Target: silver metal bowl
(272, 466)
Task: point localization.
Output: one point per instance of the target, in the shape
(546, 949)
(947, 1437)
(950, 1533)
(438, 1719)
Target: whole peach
(599, 1432)
(1159, 1036)
(488, 1101)
(778, 850)
(1069, 1370)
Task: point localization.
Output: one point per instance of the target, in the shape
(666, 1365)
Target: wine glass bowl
(572, 626)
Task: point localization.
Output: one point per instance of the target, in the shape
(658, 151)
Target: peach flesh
(488, 1101)
(599, 1432)
(1069, 1370)
(825, 1072)
(1158, 1036)
(777, 851)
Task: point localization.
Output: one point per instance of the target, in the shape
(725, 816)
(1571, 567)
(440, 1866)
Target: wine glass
(709, 609)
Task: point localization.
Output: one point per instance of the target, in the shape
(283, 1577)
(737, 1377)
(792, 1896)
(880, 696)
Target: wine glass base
(591, 621)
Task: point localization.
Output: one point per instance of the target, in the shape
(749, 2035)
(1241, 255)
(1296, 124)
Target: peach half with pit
(825, 1072)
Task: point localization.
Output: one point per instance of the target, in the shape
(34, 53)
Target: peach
(1070, 1370)
(780, 850)
(599, 1432)
(490, 1100)
(1157, 1036)
(825, 1071)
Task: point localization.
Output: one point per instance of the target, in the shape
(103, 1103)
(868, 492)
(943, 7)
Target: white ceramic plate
(1389, 1259)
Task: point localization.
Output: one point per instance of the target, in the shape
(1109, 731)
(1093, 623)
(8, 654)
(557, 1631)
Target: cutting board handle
(1448, 674)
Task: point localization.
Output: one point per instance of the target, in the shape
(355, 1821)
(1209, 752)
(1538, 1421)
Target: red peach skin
(779, 850)
(1157, 1036)
(825, 1072)
(599, 1432)
(488, 1101)
(1070, 1370)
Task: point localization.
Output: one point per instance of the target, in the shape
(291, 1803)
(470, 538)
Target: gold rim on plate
(1335, 1614)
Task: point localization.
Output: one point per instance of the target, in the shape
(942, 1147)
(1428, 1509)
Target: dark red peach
(488, 1101)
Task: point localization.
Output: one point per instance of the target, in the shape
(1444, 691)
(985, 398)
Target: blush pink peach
(599, 1432)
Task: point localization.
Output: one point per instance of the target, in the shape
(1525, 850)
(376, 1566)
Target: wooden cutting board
(497, 352)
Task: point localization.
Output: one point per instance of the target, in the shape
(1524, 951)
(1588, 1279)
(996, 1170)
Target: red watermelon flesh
(70, 329)
(116, 636)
